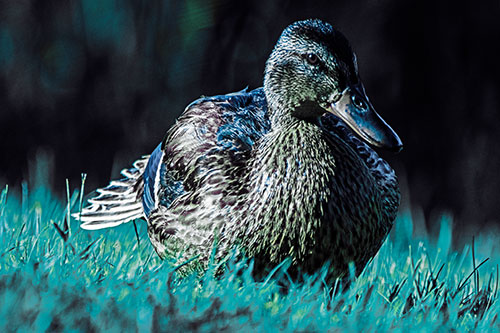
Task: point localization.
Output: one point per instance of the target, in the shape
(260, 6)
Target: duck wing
(209, 144)
(205, 152)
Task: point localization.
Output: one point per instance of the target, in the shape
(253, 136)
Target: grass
(56, 276)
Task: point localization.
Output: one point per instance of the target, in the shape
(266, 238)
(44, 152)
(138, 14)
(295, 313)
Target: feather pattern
(266, 170)
(151, 178)
(116, 203)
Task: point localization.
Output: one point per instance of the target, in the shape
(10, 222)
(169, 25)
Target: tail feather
(117, 203)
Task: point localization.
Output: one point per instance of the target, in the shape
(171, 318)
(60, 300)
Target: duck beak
(354, 108)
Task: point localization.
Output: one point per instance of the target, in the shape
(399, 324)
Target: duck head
(313, 70)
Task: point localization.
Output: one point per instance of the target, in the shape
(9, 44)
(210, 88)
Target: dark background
(88, 86)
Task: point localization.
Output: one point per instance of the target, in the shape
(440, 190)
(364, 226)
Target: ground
(56, 276)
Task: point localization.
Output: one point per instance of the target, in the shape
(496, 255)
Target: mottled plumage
(274, 171)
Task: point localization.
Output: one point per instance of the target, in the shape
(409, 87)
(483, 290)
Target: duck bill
(356, 111)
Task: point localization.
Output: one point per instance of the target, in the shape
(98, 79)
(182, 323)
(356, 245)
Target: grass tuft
(56, 276)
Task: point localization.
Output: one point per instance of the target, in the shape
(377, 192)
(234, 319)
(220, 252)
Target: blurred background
(89, 86)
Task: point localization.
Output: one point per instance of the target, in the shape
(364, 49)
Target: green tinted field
(63, 278)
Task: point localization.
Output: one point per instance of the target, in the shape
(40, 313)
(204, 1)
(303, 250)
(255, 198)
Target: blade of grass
(82, 188)
(462, 284)
(68, 211)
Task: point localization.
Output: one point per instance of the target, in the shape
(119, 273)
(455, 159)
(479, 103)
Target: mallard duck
(282, 171)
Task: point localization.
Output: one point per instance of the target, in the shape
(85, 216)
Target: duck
(288, 171)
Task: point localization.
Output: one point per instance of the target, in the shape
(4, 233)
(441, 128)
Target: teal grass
(56, 276)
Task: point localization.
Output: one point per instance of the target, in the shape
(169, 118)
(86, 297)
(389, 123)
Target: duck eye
(312, 58)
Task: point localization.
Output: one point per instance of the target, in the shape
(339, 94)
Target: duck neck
(279, 103)
(286, 112)
(289, 185)
(280, 116)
